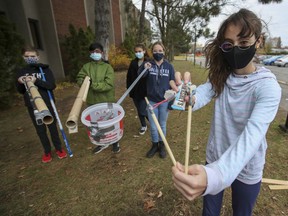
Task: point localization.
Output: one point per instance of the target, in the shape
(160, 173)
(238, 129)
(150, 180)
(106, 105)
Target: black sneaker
(98, 149)
(142, 130)
(116, 147)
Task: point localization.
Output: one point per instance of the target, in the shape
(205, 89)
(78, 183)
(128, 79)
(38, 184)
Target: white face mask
(96, 56)
(139, 55)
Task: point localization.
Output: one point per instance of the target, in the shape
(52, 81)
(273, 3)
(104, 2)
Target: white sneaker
(142, 130)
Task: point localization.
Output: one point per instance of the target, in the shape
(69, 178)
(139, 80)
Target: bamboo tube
(39, 103)
(72, 121)
(161, 132)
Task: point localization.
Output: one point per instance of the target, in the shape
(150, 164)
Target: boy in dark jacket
(32, 72)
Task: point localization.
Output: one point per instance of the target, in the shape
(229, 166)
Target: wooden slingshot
(150, 109)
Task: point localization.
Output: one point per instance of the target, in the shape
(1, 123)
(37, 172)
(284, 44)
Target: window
(35, 32)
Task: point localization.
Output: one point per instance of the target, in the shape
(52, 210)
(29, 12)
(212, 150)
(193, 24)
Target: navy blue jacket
(158, 78)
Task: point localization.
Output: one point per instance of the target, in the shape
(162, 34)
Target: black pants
(141, 105)
(42, 131)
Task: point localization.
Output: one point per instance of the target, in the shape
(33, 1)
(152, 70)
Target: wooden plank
(278, 187)
(274, 181)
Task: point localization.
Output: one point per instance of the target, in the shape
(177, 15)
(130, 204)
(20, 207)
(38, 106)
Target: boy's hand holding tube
(23, 79)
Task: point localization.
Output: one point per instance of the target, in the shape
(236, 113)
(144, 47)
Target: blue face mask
(139, 55)
(158, 56)
(96, 56)
(31, 60)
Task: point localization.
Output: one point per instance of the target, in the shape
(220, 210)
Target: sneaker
(142, 130)
(98, 149)
(61, 154)
(46, 158)
(116, 147)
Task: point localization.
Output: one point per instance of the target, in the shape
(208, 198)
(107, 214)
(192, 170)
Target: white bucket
(104, 122)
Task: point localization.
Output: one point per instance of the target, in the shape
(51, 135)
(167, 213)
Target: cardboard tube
(161, 133)
(72, 121)
(39, 103)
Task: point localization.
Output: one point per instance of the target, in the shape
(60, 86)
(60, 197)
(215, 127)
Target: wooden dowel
(278, 187)
(188, 133)
(274, 181)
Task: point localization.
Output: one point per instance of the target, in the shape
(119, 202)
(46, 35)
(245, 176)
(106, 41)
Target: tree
(102, 23)
(10, 58)
(268, 46)
(269, 1)
(137, 31)
(142, 22)
(175, 19)
(279, 43)
(76, 48)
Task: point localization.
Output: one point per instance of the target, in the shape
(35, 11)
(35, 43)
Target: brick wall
(66, 12)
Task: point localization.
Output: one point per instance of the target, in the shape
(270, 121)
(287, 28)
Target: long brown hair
(219, 69)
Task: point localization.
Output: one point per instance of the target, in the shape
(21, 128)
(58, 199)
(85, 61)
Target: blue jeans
(243, 200)
(161, 113)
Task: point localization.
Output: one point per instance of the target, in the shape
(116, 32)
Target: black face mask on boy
(238, 58)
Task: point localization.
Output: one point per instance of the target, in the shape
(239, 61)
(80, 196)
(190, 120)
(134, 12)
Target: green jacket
(101, 75)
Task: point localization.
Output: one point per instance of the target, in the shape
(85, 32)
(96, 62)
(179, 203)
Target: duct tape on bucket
(104, 123)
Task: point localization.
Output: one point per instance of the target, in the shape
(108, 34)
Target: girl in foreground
(246, 101)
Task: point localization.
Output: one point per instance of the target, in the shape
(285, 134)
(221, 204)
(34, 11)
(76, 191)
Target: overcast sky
(276, 15)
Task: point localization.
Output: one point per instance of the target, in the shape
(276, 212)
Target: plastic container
(104, 123)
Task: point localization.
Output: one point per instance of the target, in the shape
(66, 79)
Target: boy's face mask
(96, 56)
(33, 59)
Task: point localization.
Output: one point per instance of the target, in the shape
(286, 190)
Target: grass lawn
(124, 184)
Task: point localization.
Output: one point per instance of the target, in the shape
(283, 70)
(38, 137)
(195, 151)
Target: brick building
(43, 23)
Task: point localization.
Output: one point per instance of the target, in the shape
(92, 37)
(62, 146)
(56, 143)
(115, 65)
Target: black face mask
(238, 58)
(158, 56)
